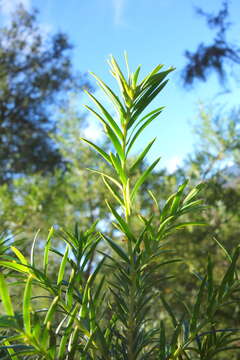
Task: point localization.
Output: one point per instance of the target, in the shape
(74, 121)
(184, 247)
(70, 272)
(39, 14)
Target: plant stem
(132, 270)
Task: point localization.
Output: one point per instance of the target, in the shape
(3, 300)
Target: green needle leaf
(113, 97)
(116, 248)
(63, 265)
(169, 310)
(142, 155)
(226, 253)
(177, 198)
(20, 256)
(162, 354)
(108, 177)
(145, 101)
(51, 310)
(123, 225)
(196, 309)
(194, 192)
(154, 71)
(46, 250)
(4, 293)
(117, 72)
(228, 278)
(139, 131)
(142, 178)
(108, 117)
(114, 193)
(11, 351)
(135, 76)
(99, 150)
(185, 224)
(14, 266)
(27, 305)
(118, 167)
(33, 247)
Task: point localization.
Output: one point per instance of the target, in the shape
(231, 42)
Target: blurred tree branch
(215, 56)
(36, 73)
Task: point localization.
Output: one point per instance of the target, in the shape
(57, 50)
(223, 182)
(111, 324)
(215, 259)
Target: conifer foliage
(107, 315)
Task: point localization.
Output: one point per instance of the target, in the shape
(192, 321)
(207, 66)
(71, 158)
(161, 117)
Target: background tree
(216, 162)
(35, 73)
(216, 55)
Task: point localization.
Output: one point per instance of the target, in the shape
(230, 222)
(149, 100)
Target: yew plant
(107, 315)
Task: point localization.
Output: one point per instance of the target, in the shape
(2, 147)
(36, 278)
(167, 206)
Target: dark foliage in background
(214, 56)
(35, 71)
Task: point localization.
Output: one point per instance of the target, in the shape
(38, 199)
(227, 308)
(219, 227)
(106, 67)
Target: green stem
(132, 270)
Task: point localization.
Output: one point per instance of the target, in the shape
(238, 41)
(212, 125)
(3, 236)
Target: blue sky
(152, 32)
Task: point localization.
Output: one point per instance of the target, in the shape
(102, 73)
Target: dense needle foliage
(108, 314)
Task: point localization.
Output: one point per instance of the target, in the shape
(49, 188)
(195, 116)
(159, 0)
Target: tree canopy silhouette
(35, 73)
(215, 56)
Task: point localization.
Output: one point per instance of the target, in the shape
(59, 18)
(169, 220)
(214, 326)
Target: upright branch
(144, 254)
(123, 131)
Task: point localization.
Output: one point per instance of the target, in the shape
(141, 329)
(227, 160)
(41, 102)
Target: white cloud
(93, 132)
(173, 163)
(8, 7)
(118, 11)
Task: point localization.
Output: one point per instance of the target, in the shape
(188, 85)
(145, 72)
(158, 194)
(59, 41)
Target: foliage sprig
(107, 315)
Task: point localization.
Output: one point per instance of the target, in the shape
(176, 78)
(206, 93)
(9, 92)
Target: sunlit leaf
(99, 150)
(114, 193)
(33, 248)
(108, 177)
(20, 256)
(15, 266)
(63, 266)
(46, 249)
(51, 311)
(108, 117)
(114, 98)
(4, 293)
(194, 192)
(27, 305)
